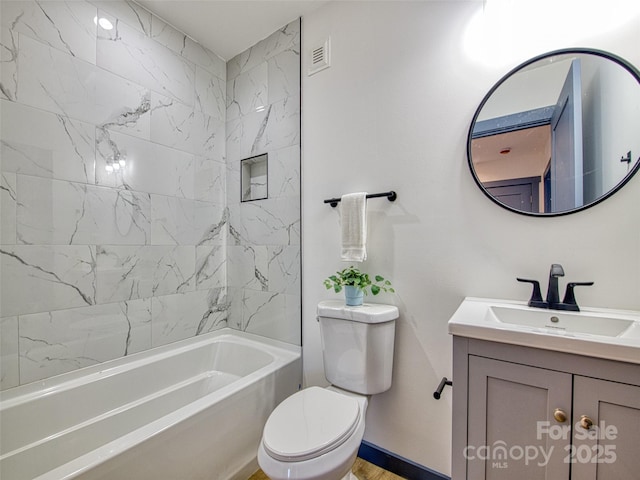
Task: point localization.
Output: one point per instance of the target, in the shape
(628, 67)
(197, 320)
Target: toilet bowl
(313, 435)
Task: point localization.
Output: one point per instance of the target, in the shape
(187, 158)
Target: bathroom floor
(361, 469)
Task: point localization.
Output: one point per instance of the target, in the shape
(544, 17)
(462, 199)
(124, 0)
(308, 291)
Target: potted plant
(357, 284)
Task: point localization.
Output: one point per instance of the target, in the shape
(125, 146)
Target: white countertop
(478, 318)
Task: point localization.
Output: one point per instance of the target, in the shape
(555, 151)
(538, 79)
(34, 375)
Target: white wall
(393, 112)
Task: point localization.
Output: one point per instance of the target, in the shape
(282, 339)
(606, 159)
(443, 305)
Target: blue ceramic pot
(353, 296)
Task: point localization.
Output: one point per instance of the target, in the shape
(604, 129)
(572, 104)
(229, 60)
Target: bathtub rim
(68, 380)
(283, 354)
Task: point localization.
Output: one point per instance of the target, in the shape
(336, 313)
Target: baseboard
(397, 464)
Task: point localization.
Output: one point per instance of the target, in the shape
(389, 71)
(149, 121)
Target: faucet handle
(570, 298)
(536, 294)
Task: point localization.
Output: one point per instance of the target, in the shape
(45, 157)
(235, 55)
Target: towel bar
(391, 196)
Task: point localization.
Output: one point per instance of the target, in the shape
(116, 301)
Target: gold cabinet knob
(560, 415)
(586, 422)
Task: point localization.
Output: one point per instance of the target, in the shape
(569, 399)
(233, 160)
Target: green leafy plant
(354, 277)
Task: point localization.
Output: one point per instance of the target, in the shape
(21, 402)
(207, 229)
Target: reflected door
(519, 193)
(566, 144)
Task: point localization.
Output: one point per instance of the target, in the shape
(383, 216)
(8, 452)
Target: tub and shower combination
(191, 410)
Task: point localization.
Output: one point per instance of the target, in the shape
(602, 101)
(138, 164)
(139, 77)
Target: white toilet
(315, 433)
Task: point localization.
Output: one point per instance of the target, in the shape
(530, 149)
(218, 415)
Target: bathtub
(191, 410)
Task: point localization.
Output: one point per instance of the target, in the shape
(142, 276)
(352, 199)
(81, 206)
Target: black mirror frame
(566, 51)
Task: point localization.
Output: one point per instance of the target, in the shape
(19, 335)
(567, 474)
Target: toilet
(315, 433)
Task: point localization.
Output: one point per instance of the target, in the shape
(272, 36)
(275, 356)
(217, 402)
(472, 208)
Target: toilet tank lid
(366, 313)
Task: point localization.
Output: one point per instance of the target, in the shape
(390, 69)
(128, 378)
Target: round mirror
(558, 134)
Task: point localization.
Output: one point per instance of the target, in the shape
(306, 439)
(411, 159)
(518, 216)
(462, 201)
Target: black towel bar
(391, 196)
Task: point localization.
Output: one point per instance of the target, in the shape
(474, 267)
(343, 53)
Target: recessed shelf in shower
(254, 178)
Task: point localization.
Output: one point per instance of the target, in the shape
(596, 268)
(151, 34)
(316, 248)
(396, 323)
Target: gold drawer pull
(560, 415)
(586, 422)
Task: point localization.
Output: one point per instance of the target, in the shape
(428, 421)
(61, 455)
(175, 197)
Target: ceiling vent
(320, 57)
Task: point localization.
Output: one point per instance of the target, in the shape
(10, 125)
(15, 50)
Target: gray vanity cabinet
(615, 407)
(506, 402)
(517, 414)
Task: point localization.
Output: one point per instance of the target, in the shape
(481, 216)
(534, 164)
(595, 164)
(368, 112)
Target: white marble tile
(276, 127)
(130, 272)
(149, 167)
(284, 75)
(234, 300)
(272, 315)
(9, 373)
(211, 267)
(292, 326)
(284, 172)
(279, 128)
(186, 47)
(284, 269)
(122, 106)
(205, 58)
(56, 342)
(42, 278)
(63, 149)
(177, 221)
(261, 310)
(210, 94)
(234, 132)
(281, 40)
(247, 93)
(53, 212)
(210, 183)
(128, 12)
(56, 82)
(233, 187)
(8, 198)
(265, 222)
(66, 26)
(210, 223)
(286, 38)
(176, 317)
(8, 64)
(136, 57)
(167, 35)
(182, 127)
(248, 267)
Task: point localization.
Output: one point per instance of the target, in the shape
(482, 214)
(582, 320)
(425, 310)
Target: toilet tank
(357, 345)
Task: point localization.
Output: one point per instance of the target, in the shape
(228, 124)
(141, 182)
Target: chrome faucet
(553, 296)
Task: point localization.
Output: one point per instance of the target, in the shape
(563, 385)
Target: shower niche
(254, 178)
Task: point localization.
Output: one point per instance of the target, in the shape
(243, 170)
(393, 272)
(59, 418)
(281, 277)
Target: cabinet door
(512, 433)
(610, 450)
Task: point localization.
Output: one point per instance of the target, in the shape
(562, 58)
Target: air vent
(320, 57)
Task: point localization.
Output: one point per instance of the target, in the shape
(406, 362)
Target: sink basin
(560, 323)
(604, 333)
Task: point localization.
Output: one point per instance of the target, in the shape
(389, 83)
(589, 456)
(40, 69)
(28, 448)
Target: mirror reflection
(559, 133)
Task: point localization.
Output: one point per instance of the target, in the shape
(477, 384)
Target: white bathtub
(191, 410)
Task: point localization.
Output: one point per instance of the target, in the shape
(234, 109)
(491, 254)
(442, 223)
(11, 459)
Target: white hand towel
(353, 216)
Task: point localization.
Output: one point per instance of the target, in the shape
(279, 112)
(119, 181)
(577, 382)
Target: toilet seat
(310, 423)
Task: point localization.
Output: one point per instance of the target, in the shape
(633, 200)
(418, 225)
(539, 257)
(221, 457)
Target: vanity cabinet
(518, 414)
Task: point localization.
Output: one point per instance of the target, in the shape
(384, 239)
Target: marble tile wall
(263, 245)
(97, 264)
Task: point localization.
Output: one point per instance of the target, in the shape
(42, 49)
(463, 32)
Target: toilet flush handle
(443, 383)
